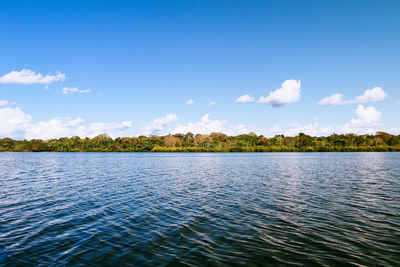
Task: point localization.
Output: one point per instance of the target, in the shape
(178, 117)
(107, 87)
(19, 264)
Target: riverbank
(215, 142)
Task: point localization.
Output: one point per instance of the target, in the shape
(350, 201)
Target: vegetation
(215, 142)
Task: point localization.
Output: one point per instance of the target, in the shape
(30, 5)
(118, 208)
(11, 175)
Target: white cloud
(395, 131)
(30, 77)
(288, 93)
(56, 128)
(244, 99)
(207, 126)
(333, 100)
(204, 126)
(68, 91)
(366, 117)
(296, 127)
(158, 124)
(370, 95)
(53, 128)
(366, 121)
(113, 129)
(3, 103)
(16, 124)
(212, 103)
(13, 122)
(166, 119)
(74, 122)
(189, 102)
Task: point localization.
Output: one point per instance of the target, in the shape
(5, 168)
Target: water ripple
(297, 209)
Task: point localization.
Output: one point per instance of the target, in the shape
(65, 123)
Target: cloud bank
(16, 124)
(366, 121)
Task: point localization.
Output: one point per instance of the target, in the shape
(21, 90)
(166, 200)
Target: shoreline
(215, 143)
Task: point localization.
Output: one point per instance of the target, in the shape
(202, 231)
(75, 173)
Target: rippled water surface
(200, 209)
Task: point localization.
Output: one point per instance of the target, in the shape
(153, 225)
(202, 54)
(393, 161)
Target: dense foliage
(215, 142)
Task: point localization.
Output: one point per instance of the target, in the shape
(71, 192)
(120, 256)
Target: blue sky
(135, 64)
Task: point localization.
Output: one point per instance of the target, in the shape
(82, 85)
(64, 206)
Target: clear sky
(157, 67)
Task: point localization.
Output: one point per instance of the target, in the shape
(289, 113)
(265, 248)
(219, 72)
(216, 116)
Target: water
(200, 209)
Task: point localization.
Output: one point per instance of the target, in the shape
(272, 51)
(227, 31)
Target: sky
(129, 68)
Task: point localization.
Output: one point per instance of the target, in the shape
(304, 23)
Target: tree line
(215, 142)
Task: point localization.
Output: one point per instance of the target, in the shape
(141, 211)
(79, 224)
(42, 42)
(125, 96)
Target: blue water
(205, 209)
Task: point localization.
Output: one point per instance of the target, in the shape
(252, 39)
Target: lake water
(202, 209)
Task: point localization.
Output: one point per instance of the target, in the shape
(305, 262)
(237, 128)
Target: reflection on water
(200, 209)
